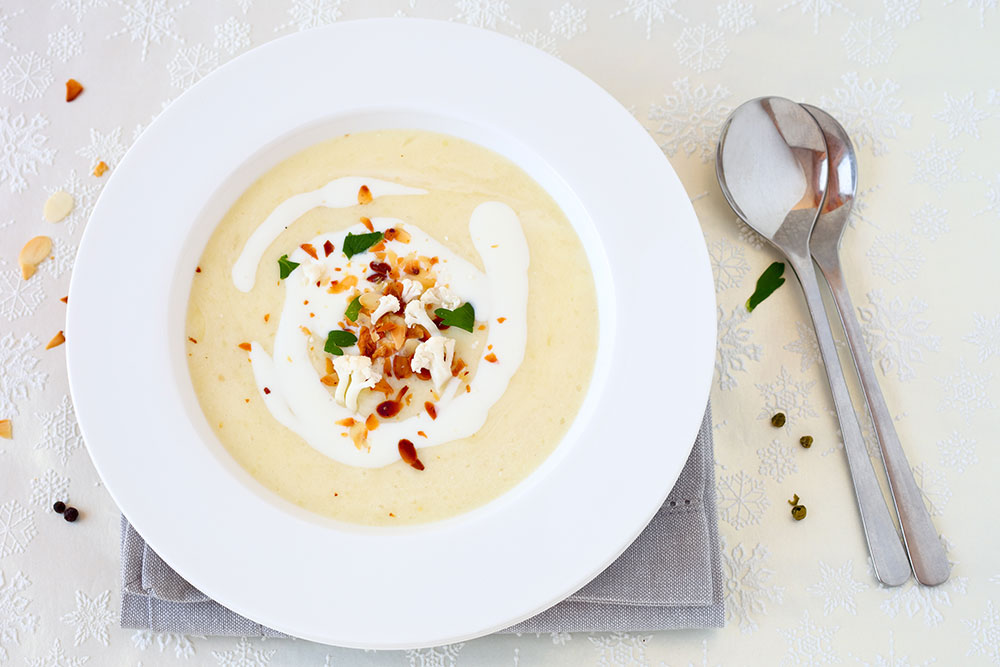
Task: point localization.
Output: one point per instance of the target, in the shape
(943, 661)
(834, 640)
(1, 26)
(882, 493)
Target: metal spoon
(772, 167)
(927, 555)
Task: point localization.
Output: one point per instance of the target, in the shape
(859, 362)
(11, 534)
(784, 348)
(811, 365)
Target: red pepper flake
(366, 221)
(100, 168)
(267, 317)
(244, 346)
(489, 347)
(468, 389)
(501, 320)
(431, 410)
(482, 327)
(392, 515)
(197, 269)
(306, 302)
(408, 453)
(327, 248)
(56, 341)
(65, 299)
(309, 250)
(364, 195)
(73, 90)
(347, 422)
(421, 434)
(492, 358)
(266, 390)
(192, 340)
(246, 400)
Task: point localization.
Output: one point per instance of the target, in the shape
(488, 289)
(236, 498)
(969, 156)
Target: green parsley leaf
(353, 308)
(463, 317)
(358, 243)
(769, 281)
(338, 339)
(286, 266)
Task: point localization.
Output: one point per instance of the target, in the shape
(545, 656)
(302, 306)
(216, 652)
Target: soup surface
(392, 327)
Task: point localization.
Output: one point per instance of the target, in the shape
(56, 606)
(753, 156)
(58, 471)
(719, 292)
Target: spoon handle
(927, 554)
(891, 565)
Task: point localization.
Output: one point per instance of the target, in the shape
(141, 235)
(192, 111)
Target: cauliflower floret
(412, 289)
(312, 271)
(435, 354)
(415, 314)
(386, 304)
(441, 296)
(354, 373)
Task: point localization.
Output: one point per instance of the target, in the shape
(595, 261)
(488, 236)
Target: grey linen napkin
(670, 578)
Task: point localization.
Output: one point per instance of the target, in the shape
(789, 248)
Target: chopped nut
(309, 250)
(431, 410)
(329, 365)
(397, 234)
(338, 286)
(73, 90)
(408, 453)
(32, 254)
(359, 434)
(330, 380)
(57, 206)
(401, 367)
(383, 387)
(364, 195)
(244, 346)
(56, 341)
(6, 429)
(366, 221)
(366, 342)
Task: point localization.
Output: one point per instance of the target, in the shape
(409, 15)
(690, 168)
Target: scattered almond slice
(58, 206)
(56, 341)
(309, 250)
(6, 429)
(100, 168)
(364, 195)
(367, 222)
(73, 90)
(32, 254)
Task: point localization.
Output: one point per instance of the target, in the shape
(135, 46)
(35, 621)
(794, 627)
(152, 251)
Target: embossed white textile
(915, 83)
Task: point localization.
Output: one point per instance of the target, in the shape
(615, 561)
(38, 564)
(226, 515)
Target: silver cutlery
(771, 164)
(927, 555)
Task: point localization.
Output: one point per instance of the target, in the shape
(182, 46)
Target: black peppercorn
(71, 514)
(778, 420)
(59, 507)
(806, 441)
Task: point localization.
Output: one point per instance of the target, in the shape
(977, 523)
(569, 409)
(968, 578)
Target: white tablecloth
(916, 85)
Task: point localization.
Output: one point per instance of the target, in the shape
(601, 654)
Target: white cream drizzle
(297, 398)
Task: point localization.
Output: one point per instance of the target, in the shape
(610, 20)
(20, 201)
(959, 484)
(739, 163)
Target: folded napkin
(669, 578)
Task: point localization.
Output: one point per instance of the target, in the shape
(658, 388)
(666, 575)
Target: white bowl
(391, 587)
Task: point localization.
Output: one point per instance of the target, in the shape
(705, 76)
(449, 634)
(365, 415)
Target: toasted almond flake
(383, 387)
(347, 421)
(6, 429)
(244, 346)
(364, 195)
(73, 90)
(501, 320)
(408, 453)
(431, 410)
(32, 254)
(369, 300)
(367, 221)
(492, 358)
(65, 299)
(371, 423)
(327, 248)
(329, 365)
(56, 341)
(338, 286)
(100, 168)
(330, 379)
(309, 250)
(306, 330)
(421, 434)
(58, 206)
(192, 340)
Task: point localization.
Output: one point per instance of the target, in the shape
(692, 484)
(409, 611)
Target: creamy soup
(392, 327)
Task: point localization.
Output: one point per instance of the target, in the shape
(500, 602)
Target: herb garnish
(286, 266)
(338, 339)
(463, 317)
(358, 243)
(769, 281)
(353, 309)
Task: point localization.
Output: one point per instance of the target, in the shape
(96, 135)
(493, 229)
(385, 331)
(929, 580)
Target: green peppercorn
(778, 420)
(806, 441)
(799, 512)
